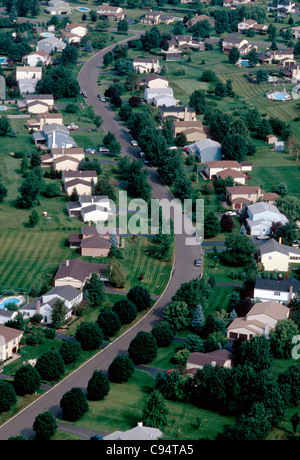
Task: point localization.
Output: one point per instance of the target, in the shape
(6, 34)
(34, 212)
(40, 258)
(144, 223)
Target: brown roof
(46, 157)
(240, 200)
(74, 238)
(190, 124)
(243, 189)
(49, 115)
(40, 53)
(96, 241)
(230, 173)
(80, 174)
(72, 183)
(64, 158)
(9, 333)
(218, 356)
(270, 196)
(223, 164)
(78, 269)
(272, 308)
(71, 150)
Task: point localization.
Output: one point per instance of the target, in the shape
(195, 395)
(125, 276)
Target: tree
(108, 58)
(126, 310)
(73, 404)
(69, 55)
(143, 348)
(98, 386)
(94, 290)
(198, 319)
(233, 55)
(116, 275)
(194, 344)
(281, 338)
(177, 314)
(45, 426)
(220, 89)
(109, 322)
(211, 225)
(141, 297)
(27, 380)
(163, 333)
(183, 188)
(252, 56)
(239, 250)
(295, 420)
(154, 411)
(74, 195)
(70, 350)
(256, 353)
(53, 190)
(89, 335)
(50, 365)
(58, 81)
(227, 223)
(58, 314)
(5, 127)
(8, 397)
(287, 233)
(121, 369)
(123, 26)
(29, 191)
(198, 101)
(3, 192)
(289, 383)
(234, 147)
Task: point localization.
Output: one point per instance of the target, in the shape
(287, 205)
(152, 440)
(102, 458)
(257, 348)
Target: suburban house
(212, 168)
(44, 304)
(151, 93)
(63, 159)
(179, 43)
(153, 81)
(234, 3)
(90, 208)
(157, 17)
(259, 28)
(139, 433)
(261, 319)
(73, 33)
(246, 24)
(43, 119)
(279, 290)
(178, 113)
(28, 72)
(288, 6)
(113, 13)
(37, 57)
(9, 342)
(198, 18)
(51, 44)
(240, 195)
(296, 31)
(222, 357)
(146, 65)
(270, 139)
(206, 150)
(237, 176)
(261, 218)
(53, 136)
(36, 104)
(83, 181)
(238, 42)
(75, 272)
(7, 315)
(90, 243)
(58, 7)
(277, 257)
(181, 126)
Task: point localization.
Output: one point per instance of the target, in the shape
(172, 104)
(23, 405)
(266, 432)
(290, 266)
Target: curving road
(183, 270)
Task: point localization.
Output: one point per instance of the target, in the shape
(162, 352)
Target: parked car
(102, 99)
(134, 143)
(84, 94)
(96, 438)
(103, 149)
(146, 161)
(198, 263)
(262, 237)
(230, 213)
(172, 147)
(99, 95)
(90, 150)
(72, 127)
(142, 154)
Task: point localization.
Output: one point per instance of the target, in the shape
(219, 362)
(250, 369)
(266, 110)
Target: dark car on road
(198, 263)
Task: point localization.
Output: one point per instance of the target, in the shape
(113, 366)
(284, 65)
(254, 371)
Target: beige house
(200, 17)
(43, 119)
(280, 54)
(240, 43)
(296, 31)
(278, 257)
(178, 113)
(83, 187)
(37, 104)
(246, 24)
(28, 73)
(212, 168)
(65, 163)
(113, 13)
(262, 318)
(75, 272)
(9, 342)
(77, 29)
(237, 176)
(270, 139)
(153, 81)
(146, 65)
(180, 126)
(194, 134)
(223, 358)
(157, 17)
(74, 153)
(88, 176)
(243, 194)
(90, 243)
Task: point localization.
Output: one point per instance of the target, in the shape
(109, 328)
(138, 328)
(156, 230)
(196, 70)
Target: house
(151, 93)
(7, 315)
(237, 176)
(284, 53)
(223, 358)
(28, 73)
(89, 176)
(139, 433)
(279, 290)
(27, 85)
(157, 17)
(211, 168)
(296, 31)
(113, 13)
(233, 4)
(181, 126)
(270, 139)
(36, 104)
(9, 342)
(37, 57)
(246, 24)
(178, 113)
(259, 28)
(58, 7)
(180, 43)
(200, 17)
(239, 195)
(278, 146)
(153, 81)
(90, 208)
(206, 150)
(43, 119)
(82, 181)
(277, 257)
(288, 6)
(65, 163)
(162, 100)
(90, 243)
(262, 318)
(53, 136)
(62, 158)
(75, 272)
(238, 42)
(261, 218)
(146, 65)
(51, 45)
(73, 33)
(44, 304)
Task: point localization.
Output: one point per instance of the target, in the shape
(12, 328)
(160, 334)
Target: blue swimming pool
(83, 9)
(244, 62)
(3, 60)
(9, 300)
(280, 96)
(47, 34)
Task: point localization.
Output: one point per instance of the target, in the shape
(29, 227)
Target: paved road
(183, 270)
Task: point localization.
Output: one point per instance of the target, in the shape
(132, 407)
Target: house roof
(179, 109)
(78, 269)
(207, 143)
(262, 206)
(71, 150)
(273, 246)
(188, 124)
(270, 196)
(79, 174)
(217, 356)
(151, 77)
(72, 183)
(139, 433)
(9, 333)
(223, 164)
(278, 285)
(272, 308)
(95, 241)
(67, 292)
(65, 158)
(243, 189)
(229, 172)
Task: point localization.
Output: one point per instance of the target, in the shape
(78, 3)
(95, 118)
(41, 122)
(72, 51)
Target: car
(72, 127)
(90, 150)
(230, 213)
(134, 143)
(103, 149)
(142, 154)
(99, 95)
(96, 438)
(102, 99)
(172, 147)
(146, 161)
(262, 237)
(84, 94)
(198, 263)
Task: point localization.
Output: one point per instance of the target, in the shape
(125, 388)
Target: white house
(36, 57)
(206, 150)
(58, 7)
(246, 24)
(51, 44)
(261, 319)
(146, 65)
(90, 208)
(28, 72)
(75, 273)
(261, 217)
(139, 433)
(151, 93)
(164, 101)
(213, 167)
(278, 257)
(9, 342)
(280, 290)
(44, 304)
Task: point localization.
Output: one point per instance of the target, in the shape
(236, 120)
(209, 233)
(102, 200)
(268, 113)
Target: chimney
(280, 240)
(67, 263)
(290, 293)
(140, 424)
(89, 223)
(185, 114)
(38, 307)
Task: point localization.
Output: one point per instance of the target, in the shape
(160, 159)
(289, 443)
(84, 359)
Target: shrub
(70, 351)
(163, 333)
(143, 348)
(98, 386)
(121, 369)
(50, 365)
(89, 335)
(126, 310)
(8, 397)
(140, 296)
(73, 404)
(27, 380)
(109, 322)
(45, 426)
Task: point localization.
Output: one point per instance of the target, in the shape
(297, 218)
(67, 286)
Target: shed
(270, 139)
(279, 145)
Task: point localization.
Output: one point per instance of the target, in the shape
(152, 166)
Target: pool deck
(19, 297)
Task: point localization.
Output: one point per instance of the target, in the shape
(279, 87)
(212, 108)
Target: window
(277, 293)
(270, 257)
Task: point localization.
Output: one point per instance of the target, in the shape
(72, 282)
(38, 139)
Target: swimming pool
(83, 9)
(280, 96)
(47, 34)
(244, 62)
(8, 300)
(3, 60)
(2, 107)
